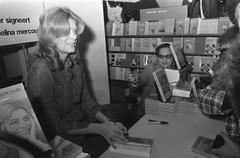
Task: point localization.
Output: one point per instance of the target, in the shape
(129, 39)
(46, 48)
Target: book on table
(135, 146)
(182, 89)
(203, 146)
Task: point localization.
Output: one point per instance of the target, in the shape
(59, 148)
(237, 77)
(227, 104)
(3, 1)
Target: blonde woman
(58, 89)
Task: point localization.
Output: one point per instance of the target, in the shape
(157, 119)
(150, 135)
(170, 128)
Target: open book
(17, 117)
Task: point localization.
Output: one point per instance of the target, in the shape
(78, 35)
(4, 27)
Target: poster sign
(19, 21)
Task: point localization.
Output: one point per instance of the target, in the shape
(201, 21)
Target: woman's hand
(229, 150)
(113, 132)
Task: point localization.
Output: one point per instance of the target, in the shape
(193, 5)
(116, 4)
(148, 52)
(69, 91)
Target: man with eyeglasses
(145, 80)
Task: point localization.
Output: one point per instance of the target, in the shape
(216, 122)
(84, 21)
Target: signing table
(175, 139)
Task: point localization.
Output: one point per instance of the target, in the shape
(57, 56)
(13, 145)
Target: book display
(19, 118)
(193, 40)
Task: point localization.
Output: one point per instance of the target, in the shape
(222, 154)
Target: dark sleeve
(89, 105)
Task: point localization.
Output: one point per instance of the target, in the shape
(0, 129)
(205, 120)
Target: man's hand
(229, 150)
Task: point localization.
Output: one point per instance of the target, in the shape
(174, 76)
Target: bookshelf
(198, 43)
(160, 36)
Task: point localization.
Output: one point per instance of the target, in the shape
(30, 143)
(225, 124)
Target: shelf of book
(164, 35)
(126, 67)
(132, 45)
(130, 52)
(152, 53)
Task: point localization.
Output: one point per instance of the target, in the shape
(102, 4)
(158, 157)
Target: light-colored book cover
(208, 26)
(169, 25)
(145, 45)
(137, 44)
(223, 24)
(126, 29)
(161, 27)
(109, 27)
(182, 26)
(210, 45)
(188, 45)
(194, 25)
(117, 29)
(182, 89)
(142, 27)
(177, 42)
(173, 75)
(153, 28)
(129, 44)
(133, 27)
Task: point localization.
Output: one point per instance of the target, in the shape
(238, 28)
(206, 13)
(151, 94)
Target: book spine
(175, 57)
(159, 87)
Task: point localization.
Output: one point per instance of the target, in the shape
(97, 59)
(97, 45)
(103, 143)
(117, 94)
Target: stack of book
(189, 106)
(156, 107)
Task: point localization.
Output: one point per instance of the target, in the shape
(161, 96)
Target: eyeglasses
(168, 56)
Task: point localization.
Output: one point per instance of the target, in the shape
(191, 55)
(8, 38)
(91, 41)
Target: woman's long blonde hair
(54, 23)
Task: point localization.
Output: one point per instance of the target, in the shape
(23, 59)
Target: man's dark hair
(230, 35)
(164, 45)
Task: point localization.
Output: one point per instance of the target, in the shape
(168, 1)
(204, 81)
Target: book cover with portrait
(18, 118)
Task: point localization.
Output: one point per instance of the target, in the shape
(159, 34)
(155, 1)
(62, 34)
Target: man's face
(165, 57)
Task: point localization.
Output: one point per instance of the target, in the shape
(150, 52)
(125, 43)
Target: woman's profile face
(165, 57)
(66, 44)
(19, 123)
